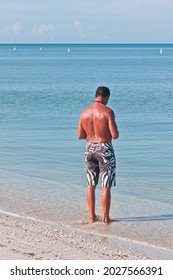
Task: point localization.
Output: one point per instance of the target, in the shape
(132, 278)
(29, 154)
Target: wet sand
(23, 238)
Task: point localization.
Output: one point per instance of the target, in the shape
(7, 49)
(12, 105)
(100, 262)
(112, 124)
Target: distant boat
(68, 50)
(14, 49)
(40, 48)
(161, 51)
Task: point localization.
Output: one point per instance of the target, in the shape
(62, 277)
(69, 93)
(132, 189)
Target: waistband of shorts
(99, 143)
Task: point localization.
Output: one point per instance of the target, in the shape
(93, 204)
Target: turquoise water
(43, 90)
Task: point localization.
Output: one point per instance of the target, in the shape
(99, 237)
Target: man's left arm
(81, 131)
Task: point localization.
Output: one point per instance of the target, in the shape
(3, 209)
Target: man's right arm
(113, 126)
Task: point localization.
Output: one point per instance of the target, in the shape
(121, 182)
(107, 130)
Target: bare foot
(106, 220)
(93, 219)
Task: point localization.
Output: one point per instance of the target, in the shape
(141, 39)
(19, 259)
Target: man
(97, 125)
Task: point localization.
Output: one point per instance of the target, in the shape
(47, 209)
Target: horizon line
(41, 43)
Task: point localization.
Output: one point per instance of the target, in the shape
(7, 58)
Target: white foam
(19, 216)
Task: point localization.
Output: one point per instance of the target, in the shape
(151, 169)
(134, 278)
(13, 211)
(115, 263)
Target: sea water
(43, 90)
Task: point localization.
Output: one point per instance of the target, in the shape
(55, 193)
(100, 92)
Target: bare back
(97, 124)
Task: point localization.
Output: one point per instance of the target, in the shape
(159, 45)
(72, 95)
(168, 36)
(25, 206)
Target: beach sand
(28, 239)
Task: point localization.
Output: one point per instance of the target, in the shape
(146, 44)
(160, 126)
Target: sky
(86, 21)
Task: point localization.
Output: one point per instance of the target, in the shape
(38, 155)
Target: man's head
(102, 94)
(102, 91)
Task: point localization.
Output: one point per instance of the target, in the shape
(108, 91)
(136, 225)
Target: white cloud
(14, 29)
(19, 31)
(79, 26)
(43, 29)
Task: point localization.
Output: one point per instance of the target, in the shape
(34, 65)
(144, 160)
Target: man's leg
(106, 201)
(91, 202)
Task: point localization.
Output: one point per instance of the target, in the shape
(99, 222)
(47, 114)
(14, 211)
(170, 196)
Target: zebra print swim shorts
(100, 160)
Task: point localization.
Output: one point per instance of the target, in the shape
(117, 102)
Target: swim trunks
(100, 159)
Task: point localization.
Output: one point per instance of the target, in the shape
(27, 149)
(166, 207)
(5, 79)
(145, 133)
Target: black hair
(102, 91)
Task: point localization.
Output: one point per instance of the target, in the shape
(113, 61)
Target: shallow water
(42, 94)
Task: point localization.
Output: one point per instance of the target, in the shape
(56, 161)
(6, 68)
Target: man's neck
(99, 101)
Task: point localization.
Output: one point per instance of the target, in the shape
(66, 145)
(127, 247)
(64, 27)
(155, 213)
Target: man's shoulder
(86, 110)
(109, 110)
(89, 107)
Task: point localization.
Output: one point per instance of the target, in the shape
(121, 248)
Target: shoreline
(30, 239)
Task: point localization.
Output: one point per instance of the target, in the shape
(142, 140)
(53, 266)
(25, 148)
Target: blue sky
(86, 21)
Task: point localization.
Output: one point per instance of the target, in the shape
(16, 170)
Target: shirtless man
(97, 125)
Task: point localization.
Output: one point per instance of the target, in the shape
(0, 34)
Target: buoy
(161, 51)
(68, 50)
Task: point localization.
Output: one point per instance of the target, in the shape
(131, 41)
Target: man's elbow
(115, 135)
(81, 136)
